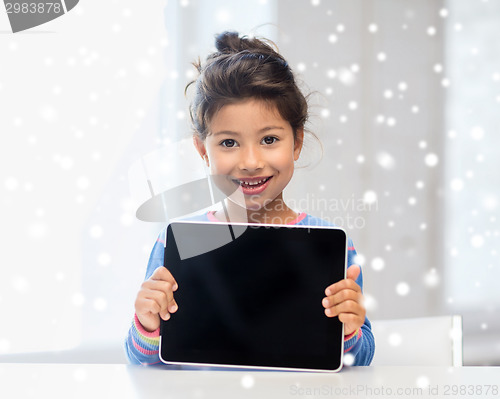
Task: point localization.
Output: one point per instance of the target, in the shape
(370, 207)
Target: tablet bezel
(250, 367)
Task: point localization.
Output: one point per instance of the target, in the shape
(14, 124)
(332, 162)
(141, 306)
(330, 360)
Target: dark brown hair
(240, 69)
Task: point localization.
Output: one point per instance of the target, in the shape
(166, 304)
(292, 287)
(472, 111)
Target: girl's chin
(253, 205)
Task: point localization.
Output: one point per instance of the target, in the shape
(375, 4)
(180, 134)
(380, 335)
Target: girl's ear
(297, 146)
(200, 147)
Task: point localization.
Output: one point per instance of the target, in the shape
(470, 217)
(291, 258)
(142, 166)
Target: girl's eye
(269, 140)
(229, 143)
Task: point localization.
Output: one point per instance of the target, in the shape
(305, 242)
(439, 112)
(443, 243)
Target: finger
(342, 296)
(166, 300)
(160, 299)
(146, 307)
(348, 306)
(352, 319)
(159, 285)
(353, 272)
(146, 311)
(342, 285)
(163, 274)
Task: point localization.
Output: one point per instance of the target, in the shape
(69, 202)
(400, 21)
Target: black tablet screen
(254, 300)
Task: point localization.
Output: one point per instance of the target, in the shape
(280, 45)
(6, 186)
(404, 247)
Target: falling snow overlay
(405, 101)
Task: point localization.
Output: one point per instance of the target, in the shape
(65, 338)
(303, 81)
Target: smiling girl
(248, 116)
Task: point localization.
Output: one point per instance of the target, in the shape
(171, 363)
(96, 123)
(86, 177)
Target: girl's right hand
(156, 299)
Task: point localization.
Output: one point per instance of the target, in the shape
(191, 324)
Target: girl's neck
(276, 212)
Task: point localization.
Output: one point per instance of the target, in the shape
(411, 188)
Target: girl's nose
(251, 159)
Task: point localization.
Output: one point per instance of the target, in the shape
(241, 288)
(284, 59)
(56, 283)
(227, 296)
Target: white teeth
(247, 183)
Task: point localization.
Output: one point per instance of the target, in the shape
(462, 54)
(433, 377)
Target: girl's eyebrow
(225, 132)
(263, 130)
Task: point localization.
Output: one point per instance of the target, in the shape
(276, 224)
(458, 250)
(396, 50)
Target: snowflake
(370, 197)
(431, 160)
(477, 133)
(431, 278)
(443, 13)
(378, 264)
(477, 241)
(11, 183)
(96, 231)
(395, 339)
(422, 382)
(457, 184)
(386, 160)
(402, 289)
(78, 299)
(100, 304)
(247, 381)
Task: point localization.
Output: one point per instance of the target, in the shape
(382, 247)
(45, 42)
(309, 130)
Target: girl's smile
(253, 185)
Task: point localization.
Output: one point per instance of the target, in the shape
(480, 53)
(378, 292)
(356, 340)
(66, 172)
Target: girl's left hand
(345, 300)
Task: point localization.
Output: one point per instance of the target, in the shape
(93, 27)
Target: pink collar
(211, 217)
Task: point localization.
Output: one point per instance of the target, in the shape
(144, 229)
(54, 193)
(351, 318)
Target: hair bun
(228, 42)
(231, 42)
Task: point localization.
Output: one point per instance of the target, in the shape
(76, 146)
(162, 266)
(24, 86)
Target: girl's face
(251, 148)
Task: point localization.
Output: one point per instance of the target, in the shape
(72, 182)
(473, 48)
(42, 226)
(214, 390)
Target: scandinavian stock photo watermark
(349, 213)
(372, 391)
(26, 14)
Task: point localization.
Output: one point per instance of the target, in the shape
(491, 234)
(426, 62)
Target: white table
(91, 381)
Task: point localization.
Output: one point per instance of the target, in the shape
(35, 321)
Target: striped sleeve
(360, 344)
(141, 346)
(351, 340)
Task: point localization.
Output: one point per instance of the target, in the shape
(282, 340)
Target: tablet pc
(250, 296)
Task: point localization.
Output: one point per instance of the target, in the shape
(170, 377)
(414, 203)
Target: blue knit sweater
(142, 347)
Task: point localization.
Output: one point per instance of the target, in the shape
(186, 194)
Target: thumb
(353, 272)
